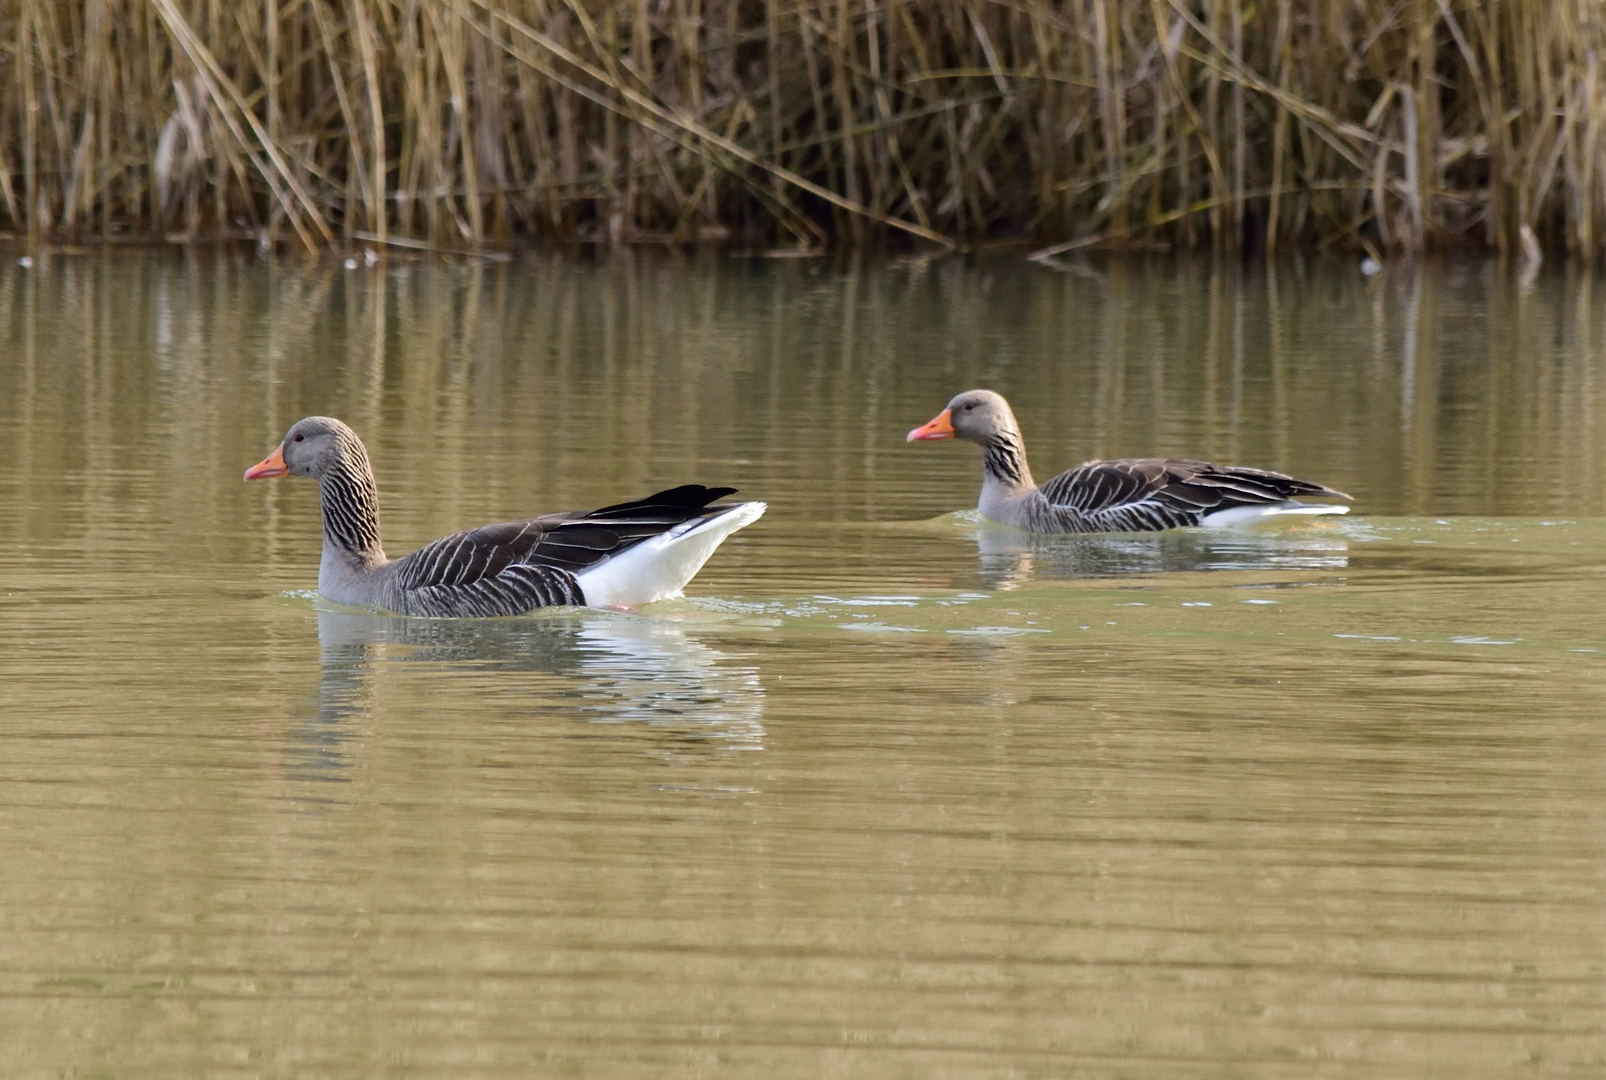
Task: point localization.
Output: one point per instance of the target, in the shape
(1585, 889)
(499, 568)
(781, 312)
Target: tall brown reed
(1234, 123)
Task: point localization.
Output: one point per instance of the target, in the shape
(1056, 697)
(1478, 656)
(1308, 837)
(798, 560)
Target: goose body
(1123, 495)
(624, 555)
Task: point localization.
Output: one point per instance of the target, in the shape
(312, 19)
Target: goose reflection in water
(1011, 558)
(689, 698)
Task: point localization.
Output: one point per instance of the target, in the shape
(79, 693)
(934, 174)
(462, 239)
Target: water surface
(891, 792)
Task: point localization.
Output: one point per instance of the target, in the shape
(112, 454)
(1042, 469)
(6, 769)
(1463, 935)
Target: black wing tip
(1294, 485)
(691, 496)
(683, 501)
(1311, 487)
(684, 497)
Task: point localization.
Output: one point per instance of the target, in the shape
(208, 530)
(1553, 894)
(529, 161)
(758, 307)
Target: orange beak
(271, 466)
(940, 426)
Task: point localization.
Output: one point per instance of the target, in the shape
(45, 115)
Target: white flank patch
(1248, 515)
(659, 568)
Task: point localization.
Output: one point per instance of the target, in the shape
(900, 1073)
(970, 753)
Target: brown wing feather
(1163, 493)
(514, 566)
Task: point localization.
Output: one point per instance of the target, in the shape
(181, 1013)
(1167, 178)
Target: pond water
(890, 793)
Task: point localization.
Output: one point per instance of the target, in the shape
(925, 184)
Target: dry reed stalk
(1279, 144)
(378, 217)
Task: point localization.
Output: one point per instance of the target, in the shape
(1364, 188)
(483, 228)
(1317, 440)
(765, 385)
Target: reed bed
(1238, 124)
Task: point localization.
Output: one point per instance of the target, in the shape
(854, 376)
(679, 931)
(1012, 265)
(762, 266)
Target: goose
(1123, 495)
(620, 556)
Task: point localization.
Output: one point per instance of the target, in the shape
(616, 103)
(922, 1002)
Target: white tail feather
(1249, 515)
(659, 568)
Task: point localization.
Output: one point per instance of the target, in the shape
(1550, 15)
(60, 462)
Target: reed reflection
(1428, 389)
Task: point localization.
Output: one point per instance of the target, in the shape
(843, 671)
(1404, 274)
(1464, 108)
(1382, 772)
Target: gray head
(313, 447)
(977, 415)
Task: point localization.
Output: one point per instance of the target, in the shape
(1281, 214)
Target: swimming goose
(1125, 495)
(619, 556)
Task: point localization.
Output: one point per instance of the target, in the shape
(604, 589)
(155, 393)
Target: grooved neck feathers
(351, 502)
(1004, 458)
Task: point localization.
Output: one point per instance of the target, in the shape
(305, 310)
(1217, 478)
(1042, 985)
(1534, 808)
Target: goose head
(976, 415)
(312, 447)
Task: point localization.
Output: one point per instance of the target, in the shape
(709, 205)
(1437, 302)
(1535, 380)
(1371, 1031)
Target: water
(892, 793)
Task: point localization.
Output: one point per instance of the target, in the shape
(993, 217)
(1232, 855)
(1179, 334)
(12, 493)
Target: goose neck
(350, 501)
(1004, 461)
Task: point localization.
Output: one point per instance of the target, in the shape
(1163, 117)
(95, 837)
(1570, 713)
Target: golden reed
(1252, 124)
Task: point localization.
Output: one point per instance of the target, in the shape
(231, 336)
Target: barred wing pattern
(517, 566)
(1147, 494)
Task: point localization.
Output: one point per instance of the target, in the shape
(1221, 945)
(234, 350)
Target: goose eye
(972, 405)
(298, 438)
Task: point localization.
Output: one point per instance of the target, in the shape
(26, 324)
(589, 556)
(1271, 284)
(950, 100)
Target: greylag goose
(619, 556)
(1125, 495)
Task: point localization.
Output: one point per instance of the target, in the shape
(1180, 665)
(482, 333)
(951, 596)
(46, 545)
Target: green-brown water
(890, 794)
